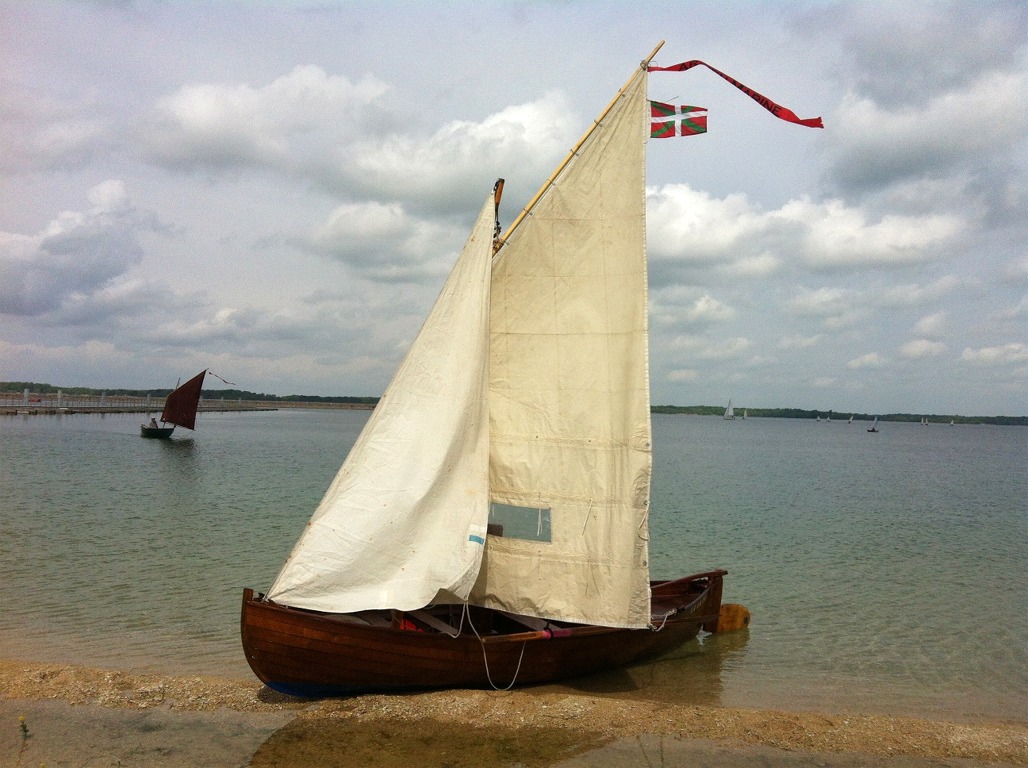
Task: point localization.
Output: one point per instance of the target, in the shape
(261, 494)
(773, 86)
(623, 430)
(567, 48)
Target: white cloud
(837, 235)
(41, 132)
(799, 342)
(527, 137)
(690, 227)
(351, 139)
(76, 254)
(231, 124)
(684, 224)
(707, 309)
(880, 144)
(383, 242)
(711, 349)
(109, 197)
(911, 295)
(919, 348)
(761, 265)
(909, 53)
(1014, 352)
(870, 360)
(931, 325)
(820, 302)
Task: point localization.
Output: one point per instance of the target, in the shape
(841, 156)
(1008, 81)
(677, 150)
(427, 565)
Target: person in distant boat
(153, 422)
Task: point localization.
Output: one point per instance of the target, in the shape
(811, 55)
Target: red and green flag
(669, 120)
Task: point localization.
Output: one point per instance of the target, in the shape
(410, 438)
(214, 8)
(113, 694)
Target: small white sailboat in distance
(729, 412)
(850, 420)
(874, 426)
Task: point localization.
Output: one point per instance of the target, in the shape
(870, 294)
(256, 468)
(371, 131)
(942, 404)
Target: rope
(663, 621)
(485, 658)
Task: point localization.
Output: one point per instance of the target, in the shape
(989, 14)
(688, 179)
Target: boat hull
(160, 433)
(306, 653)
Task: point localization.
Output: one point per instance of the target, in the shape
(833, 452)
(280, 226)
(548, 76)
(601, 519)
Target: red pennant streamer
(775, 109)
(230, 383)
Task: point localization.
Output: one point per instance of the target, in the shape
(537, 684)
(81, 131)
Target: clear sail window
(532, 523)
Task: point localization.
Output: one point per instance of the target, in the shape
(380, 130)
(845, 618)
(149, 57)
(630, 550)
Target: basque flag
(669, 120)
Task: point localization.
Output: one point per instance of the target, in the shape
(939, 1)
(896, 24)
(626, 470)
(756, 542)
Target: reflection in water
(184, 444)
(331, 742)
(690, 674)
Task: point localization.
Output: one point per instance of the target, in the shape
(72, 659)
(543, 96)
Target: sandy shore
(75, 716)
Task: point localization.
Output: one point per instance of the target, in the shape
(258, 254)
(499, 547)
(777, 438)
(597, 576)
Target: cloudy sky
(276, 190)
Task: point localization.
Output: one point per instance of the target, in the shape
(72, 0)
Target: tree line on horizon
(14, 388)
(800, 413)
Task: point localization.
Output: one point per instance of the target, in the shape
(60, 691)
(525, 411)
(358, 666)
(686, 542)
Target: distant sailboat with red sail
(179, 409)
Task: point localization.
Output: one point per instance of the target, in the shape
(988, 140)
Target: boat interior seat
(374, 618)
(433, 621)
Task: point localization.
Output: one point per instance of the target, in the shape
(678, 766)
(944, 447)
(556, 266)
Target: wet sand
(76, 716)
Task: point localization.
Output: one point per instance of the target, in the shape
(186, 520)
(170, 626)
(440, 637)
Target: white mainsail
(536, 401)
(405, 517)
(569, 388)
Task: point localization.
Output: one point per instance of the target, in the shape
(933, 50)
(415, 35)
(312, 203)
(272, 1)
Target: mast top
(498, 242)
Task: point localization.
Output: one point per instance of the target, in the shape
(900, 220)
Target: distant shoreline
(27, 395)
(211, 406)
(61, 402)
(228, 406)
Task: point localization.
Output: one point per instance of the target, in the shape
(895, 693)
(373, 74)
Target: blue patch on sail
(476, 539)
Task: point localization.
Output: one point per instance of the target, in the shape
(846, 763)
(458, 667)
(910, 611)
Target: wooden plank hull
(307, 653)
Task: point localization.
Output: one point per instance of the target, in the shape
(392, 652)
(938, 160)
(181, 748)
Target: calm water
(886, 572)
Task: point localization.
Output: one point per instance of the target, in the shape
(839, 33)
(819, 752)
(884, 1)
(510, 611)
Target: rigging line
(460, 627)
(485, 659)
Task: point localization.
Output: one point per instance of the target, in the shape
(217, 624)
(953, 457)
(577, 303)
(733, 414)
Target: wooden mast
(499, 242)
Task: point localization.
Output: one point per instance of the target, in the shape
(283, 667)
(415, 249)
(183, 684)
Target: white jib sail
(570, 453)
(405, 518)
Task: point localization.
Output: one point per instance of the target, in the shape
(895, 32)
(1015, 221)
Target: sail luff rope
(574, 150)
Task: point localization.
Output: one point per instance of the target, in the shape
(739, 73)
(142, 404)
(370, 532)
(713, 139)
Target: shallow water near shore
(887, 573)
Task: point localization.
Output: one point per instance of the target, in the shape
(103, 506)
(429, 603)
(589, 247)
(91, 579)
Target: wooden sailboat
(489, 527)
(179, 409)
